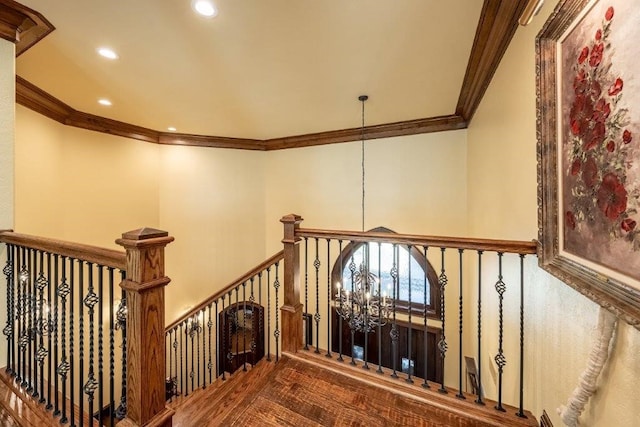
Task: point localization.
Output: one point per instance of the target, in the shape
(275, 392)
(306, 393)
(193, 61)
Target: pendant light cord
(362, 99)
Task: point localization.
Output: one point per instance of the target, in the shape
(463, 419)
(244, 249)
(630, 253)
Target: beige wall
(502, 204)
(7, 136)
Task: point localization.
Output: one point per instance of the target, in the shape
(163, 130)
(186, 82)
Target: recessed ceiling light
(204, 8)
(107, 53)
(104, 101)
(171, 129)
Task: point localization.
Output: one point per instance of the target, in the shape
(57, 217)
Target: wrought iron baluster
(198, 327)
(81, 343)
(328, 298)
(8, 329)
(216, 328)
(63, 367)
(112, 345)
(182, 365)
(260, 325)
(31, 381)
(442, 344)
(425, 336)
(19, 312)
(394, 326)
(90, 300)
(55, 331)
(100, 338)
(460, 395)
(364, 282)
(252, 300)
(191, 326)
(168, 336)
(520, 412)
(479, 400)
(223, 327)
(269, 314)
(306, 287)
(42, 325)
(204, 349)
(209, 326)
(380, 293)
(276, 332)
(244, 326)
(72, 284)
(50, 362)
(174, 345)
(236, 322)
(121, 317)
(500, 358)
(316, 265)
(339, 299)
(410, 331)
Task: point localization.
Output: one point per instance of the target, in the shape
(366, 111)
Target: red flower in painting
(598, 34)
(584, 54)
(616, 87)
(590, 172)
(596, 55)
(609, 14)
(626, 136)
(575, 167)
(628, 225)
(612, 196)
(611, 146)
(601, 111)
(570, 220)
(580, 114)
(580, 83)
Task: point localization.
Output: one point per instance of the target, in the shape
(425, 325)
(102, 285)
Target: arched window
(417, 280)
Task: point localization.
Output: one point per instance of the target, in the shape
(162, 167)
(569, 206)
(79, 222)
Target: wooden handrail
(253, 272)
(94, 254)
(504, 246)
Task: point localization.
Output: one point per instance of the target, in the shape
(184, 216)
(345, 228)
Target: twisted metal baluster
(394, 326)
(379, 370)
(8, 329)
(316, 265)
(442, 344)
(479, 400)
(121, 318)
(500, 358)
(244, 326)
(276, 332)
(30, 312)
(71, 337)
(81, 346)
(18, 315)
(217, 334)
(42, 326)
(90, 300)
(100, 337)
(230, 325)
(338, 297)
(260, 321)
(112, 345)
(209, 363)
(328, 298)
(174, 345)
(55, 332)
(268, 314)
(306, 287)
(460, 395)
(49, 342)
(520, 412)
(425, 339)
(410, 331)
(252, 301)
(223, 327)
(63, 367)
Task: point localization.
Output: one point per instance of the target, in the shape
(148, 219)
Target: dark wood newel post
(144, 286)
(292, 308)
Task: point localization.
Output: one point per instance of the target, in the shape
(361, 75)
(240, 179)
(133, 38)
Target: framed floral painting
(588, 106)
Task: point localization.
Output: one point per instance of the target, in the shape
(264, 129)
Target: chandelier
(363, 306)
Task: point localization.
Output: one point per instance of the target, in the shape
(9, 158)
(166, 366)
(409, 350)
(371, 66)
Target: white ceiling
(261, 68)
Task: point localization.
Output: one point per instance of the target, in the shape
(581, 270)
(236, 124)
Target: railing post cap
(144, 237)
(291, 218)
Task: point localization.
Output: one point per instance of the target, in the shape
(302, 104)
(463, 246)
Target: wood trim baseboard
(497, 25)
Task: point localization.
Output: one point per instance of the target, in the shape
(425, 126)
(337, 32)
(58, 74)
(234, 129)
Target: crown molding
(22, 26)
(497, 25)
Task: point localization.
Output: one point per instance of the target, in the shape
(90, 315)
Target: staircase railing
(235, 327)
(75, 342)
(368, 314)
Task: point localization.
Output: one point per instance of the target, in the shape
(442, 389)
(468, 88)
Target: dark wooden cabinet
(241, 334)
(416, 359)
